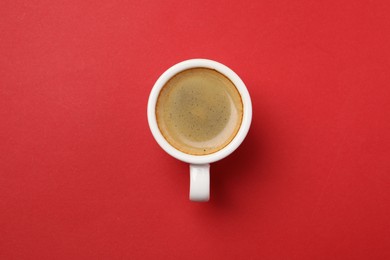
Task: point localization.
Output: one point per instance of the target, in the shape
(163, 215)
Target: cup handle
(199, 182)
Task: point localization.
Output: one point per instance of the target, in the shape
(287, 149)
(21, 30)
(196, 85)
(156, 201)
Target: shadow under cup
(199, 111)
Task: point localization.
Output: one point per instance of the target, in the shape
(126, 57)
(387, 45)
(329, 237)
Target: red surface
(82, 178)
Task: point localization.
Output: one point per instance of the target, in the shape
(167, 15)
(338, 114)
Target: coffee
(199, 111)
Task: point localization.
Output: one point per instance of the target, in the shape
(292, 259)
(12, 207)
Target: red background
(82, 178)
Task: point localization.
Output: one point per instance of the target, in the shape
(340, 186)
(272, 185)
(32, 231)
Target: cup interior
(246, 119)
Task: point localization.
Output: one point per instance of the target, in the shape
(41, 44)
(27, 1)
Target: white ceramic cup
(200, 164)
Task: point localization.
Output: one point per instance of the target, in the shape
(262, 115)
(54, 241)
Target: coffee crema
(199, 111)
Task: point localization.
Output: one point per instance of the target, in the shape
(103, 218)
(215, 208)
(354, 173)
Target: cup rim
(246, 119)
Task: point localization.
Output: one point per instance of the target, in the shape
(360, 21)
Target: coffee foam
(199, 111)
